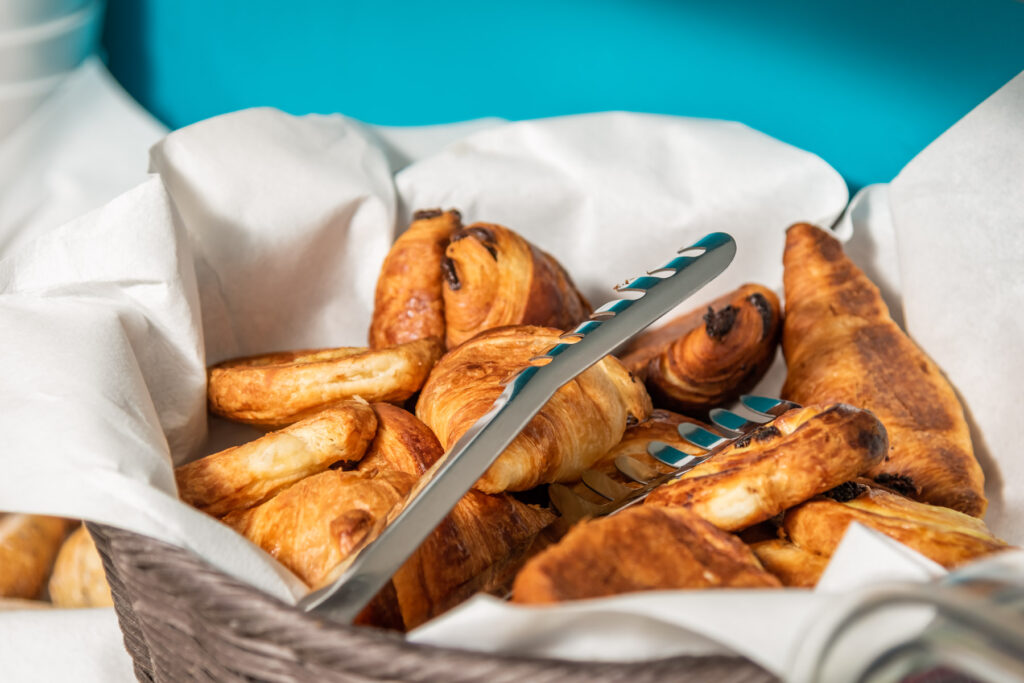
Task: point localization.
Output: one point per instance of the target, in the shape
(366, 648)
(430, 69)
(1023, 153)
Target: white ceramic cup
(17, 14)
(50, 48)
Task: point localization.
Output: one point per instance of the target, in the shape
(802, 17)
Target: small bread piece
(799, 455)
(584, 418)
(78, 579)
(247, 475)
(791, 564)
(640, 548)
(946, 536)
(493, 277)
(312, 526)
(28, 546)
(717, 361)
(479, 545)
(841, 345)
(278, 389)
(408, 304)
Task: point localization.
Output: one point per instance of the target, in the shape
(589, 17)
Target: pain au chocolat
(804, 452)
(408, 303)
(277, 389)
(493, 277)
(841, 345)
(714, 362)
(580, 423)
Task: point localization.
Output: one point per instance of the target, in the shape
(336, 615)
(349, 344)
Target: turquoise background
(865, 84)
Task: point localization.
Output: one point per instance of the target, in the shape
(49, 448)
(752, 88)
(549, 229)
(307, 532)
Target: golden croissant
(493, 277)
(581, 422)
(841, 345)
(804, 452)
(640, 548)
(408, 304)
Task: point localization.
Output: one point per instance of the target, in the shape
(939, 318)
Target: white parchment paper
(264, 231)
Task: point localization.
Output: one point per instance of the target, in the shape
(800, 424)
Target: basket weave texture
(184, 620)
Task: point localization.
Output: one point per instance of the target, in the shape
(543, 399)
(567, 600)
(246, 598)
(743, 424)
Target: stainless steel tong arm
(444, 484)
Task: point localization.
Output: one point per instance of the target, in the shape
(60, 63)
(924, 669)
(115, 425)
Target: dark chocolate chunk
(845, 492)
(450, 276)
(718, 324)
(763, 309)
(898, 483)
(424, 214)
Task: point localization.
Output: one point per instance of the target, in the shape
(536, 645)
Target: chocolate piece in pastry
(278, 389)
(247, 475)
(78, 579)
(789, 563)
(312, 526)
(28, 546)
(720, 359)
(408, 304)
(841, 345)
(804, 452)
(478, 547)
(494, 277)
(942, 534)
(580, 423)
(640, 548)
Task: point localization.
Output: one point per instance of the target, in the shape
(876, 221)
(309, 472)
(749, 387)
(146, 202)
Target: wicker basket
(183, 620)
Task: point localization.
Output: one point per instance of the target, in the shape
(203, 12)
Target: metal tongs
(443, 485)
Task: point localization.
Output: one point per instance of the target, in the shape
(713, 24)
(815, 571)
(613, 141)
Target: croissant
(715, 362)
(805, 452)
(841, 345)
(28, 546)
(278, 389)
(78, 579)
(313, 525)
(640, 548)
(584, 418)
(493, 277)
(247, 475)
(408, 304)
(942, 534)
(789, 563)
(478, 546)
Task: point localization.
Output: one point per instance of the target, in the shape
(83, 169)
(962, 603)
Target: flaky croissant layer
(583, 420)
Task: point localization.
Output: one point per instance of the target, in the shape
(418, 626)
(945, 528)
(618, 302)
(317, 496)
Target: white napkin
(270, 229)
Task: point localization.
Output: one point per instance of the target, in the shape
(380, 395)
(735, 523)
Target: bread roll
(78, 579)
(28, 546)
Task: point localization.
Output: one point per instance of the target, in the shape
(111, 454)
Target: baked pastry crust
(805, 452)
(583, 420)
(715, 362)
(640, 548)
(789, 563)
(408, 304)
(78, 579)
(493, 277)
(946, 536)
(277, 389)
(841, 345)
(478, 547)
(28, 546)
(250, 474)
(313, 525)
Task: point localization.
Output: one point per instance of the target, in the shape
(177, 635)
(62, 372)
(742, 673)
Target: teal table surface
(865, 84)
